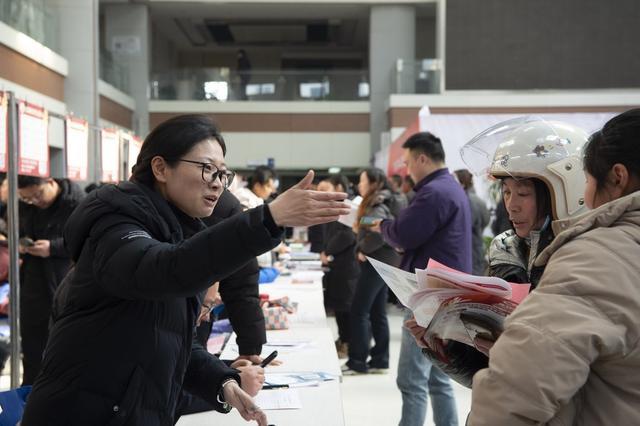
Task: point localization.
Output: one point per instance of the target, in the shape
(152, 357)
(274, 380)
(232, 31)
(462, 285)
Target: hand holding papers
(461, 314)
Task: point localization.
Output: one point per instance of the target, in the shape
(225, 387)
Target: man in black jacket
(45, 206)
(239, 292)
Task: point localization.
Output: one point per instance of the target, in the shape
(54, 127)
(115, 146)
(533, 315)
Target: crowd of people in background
(87, 257)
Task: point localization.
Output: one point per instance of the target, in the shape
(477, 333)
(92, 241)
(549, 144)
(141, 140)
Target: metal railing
(33, 18)
(114, 73)
(224, 84)
(416, 76)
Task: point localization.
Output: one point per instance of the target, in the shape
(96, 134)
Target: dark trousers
(34, 334)
(343, 319)
(369, 317)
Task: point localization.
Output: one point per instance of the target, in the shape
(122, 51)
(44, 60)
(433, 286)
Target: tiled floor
(375, 399)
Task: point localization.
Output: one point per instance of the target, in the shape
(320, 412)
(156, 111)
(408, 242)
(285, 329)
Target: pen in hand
(268, 359)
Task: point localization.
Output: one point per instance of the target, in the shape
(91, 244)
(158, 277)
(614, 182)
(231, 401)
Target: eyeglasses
(210, 173)
(37, 196)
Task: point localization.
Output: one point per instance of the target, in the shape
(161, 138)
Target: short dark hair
(261, 175)
(171, 140)
(397, 179)
(617, 142)
(27, 181)
(426, 143)
(408, 179)
(340, 179)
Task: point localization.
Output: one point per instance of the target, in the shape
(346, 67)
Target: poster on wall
(77, 140)
(135, 145)
(33, 155)
(110, 141)
(4, 135)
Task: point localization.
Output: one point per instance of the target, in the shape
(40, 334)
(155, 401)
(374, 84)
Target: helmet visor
(516, 148)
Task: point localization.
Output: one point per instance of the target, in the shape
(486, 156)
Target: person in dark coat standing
(244, 72)
(368, 313)
(121, 348)
(45, 206)
(339, 255)
(479, 220)
(239, 292)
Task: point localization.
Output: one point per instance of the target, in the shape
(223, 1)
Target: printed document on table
(278, 399)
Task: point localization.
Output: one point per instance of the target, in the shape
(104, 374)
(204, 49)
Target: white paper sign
(135, 145)
(4, 136)
(34, 146)
(110, 142)
(77, 132)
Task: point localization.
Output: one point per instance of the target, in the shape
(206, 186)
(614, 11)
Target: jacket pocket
(91, 408)
(128, 404)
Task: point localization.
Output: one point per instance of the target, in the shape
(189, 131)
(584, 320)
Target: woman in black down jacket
(121, 348)
(339, 255)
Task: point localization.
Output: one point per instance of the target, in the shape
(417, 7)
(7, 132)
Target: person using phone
(368, 309)
(45, 206)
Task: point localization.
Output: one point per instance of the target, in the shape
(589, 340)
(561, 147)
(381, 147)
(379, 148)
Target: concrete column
(78, 43)
(392, 32)
(127, 34)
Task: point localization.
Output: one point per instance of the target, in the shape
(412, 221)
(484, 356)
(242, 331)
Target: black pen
(275, 387)
(268, 359)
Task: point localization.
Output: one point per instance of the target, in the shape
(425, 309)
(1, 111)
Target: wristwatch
(220, 397)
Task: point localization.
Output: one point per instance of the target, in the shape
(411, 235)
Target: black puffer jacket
(344, 270)
(40, 276)
(120, 350)
(239, 291)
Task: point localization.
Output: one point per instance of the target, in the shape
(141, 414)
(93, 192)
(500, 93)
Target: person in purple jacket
(436, 225)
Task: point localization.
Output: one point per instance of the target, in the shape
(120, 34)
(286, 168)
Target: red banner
(77, 140)
(33, 129)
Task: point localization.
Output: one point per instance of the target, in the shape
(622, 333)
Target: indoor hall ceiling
(210, 25)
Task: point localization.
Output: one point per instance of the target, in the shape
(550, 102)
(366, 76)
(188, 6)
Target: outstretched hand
(300, 206)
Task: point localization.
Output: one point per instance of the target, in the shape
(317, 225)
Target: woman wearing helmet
(570, 353)
(539, 164)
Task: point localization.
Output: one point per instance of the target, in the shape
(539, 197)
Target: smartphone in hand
(26, 242)
(369, 220)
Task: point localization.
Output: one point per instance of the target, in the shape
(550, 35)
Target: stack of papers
(300, 379)
(453, 305)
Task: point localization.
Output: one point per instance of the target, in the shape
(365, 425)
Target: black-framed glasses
(32, 199)
(210, 173)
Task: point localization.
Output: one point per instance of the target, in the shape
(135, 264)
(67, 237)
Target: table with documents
(306, 347)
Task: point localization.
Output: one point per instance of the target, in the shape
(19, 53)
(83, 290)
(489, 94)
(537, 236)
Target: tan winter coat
(569, 354)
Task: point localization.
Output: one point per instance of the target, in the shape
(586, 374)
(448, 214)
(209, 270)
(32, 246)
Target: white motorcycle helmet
(531, 147)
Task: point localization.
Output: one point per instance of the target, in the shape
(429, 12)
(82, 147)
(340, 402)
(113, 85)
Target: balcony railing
(33, 18)
(113, 73)
(417, 76)
(224, 84)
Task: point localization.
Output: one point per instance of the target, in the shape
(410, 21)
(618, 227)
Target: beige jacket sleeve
(543, 357)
